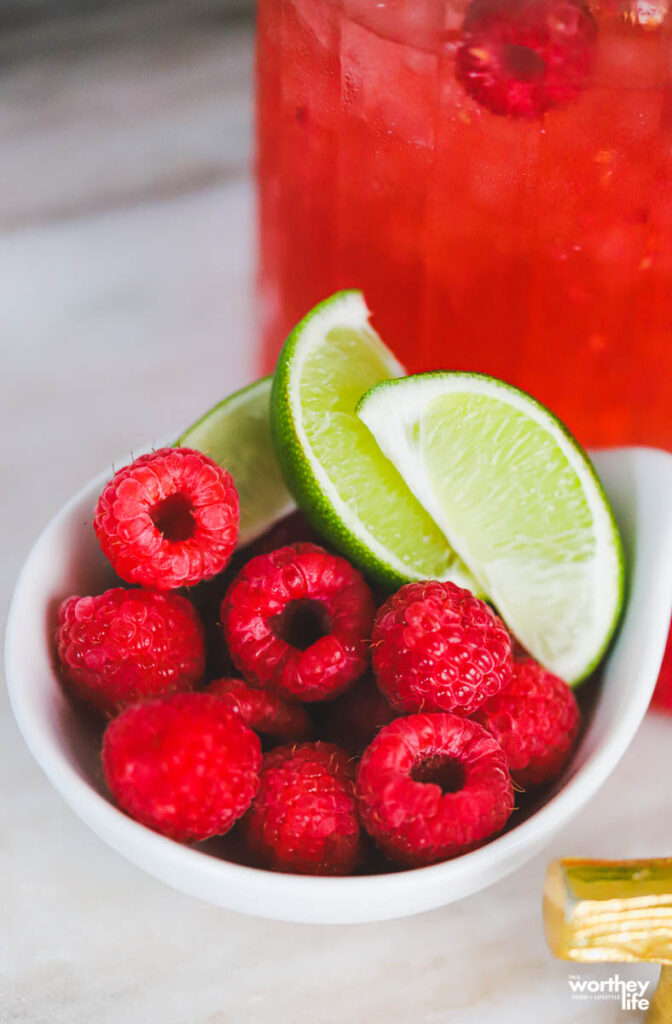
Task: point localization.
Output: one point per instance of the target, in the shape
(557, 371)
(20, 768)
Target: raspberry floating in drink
(523, 57)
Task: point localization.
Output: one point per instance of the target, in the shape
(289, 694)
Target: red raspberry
(354, 718)
(168, 520)
(536, 720)
(303, 819)
(522, 57)
(436, 647)
(433, 786)
(124, 645)
(299, 620)
(662, 696)
(208, 596)
(186, 766)
(263, 711)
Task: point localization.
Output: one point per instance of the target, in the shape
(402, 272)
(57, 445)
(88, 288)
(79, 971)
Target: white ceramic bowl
(66, 560)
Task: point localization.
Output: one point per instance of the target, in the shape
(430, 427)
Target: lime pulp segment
(519, 501)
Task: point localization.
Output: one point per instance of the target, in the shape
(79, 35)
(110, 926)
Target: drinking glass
(495, 175)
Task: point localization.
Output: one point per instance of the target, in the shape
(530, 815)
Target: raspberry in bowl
(66, 560)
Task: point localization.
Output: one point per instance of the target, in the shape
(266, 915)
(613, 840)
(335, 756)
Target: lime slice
(349, 491)
(236, 434)
(519, 501)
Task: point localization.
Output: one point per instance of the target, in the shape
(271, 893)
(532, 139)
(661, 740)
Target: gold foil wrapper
(598, 911)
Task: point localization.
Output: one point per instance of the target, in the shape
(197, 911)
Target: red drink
(496, 175)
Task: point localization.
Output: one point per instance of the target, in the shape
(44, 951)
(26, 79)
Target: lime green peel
(353, 495)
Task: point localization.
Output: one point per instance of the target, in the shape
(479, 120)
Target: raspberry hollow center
(523, 63)
(174, 518)
(302, 623)
(445, 772)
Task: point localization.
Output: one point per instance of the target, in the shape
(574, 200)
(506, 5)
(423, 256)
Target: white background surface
(125, 310)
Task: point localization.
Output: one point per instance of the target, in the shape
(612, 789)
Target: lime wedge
(349, 491)
(518, 499)
(236, 434)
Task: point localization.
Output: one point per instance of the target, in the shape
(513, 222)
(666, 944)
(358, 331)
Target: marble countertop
(125, 268)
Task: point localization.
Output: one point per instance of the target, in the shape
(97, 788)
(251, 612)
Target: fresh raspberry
(662, 696)
(124, 645)
(536, 721)
(436, 647)
(304, 819)
(299, 620)
(354, 718)
(168, 520)
(208, 595)
(264, 711)
(522, 57)
(186, 766)
(433, 786)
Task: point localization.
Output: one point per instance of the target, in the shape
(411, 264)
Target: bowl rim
(495, 859)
